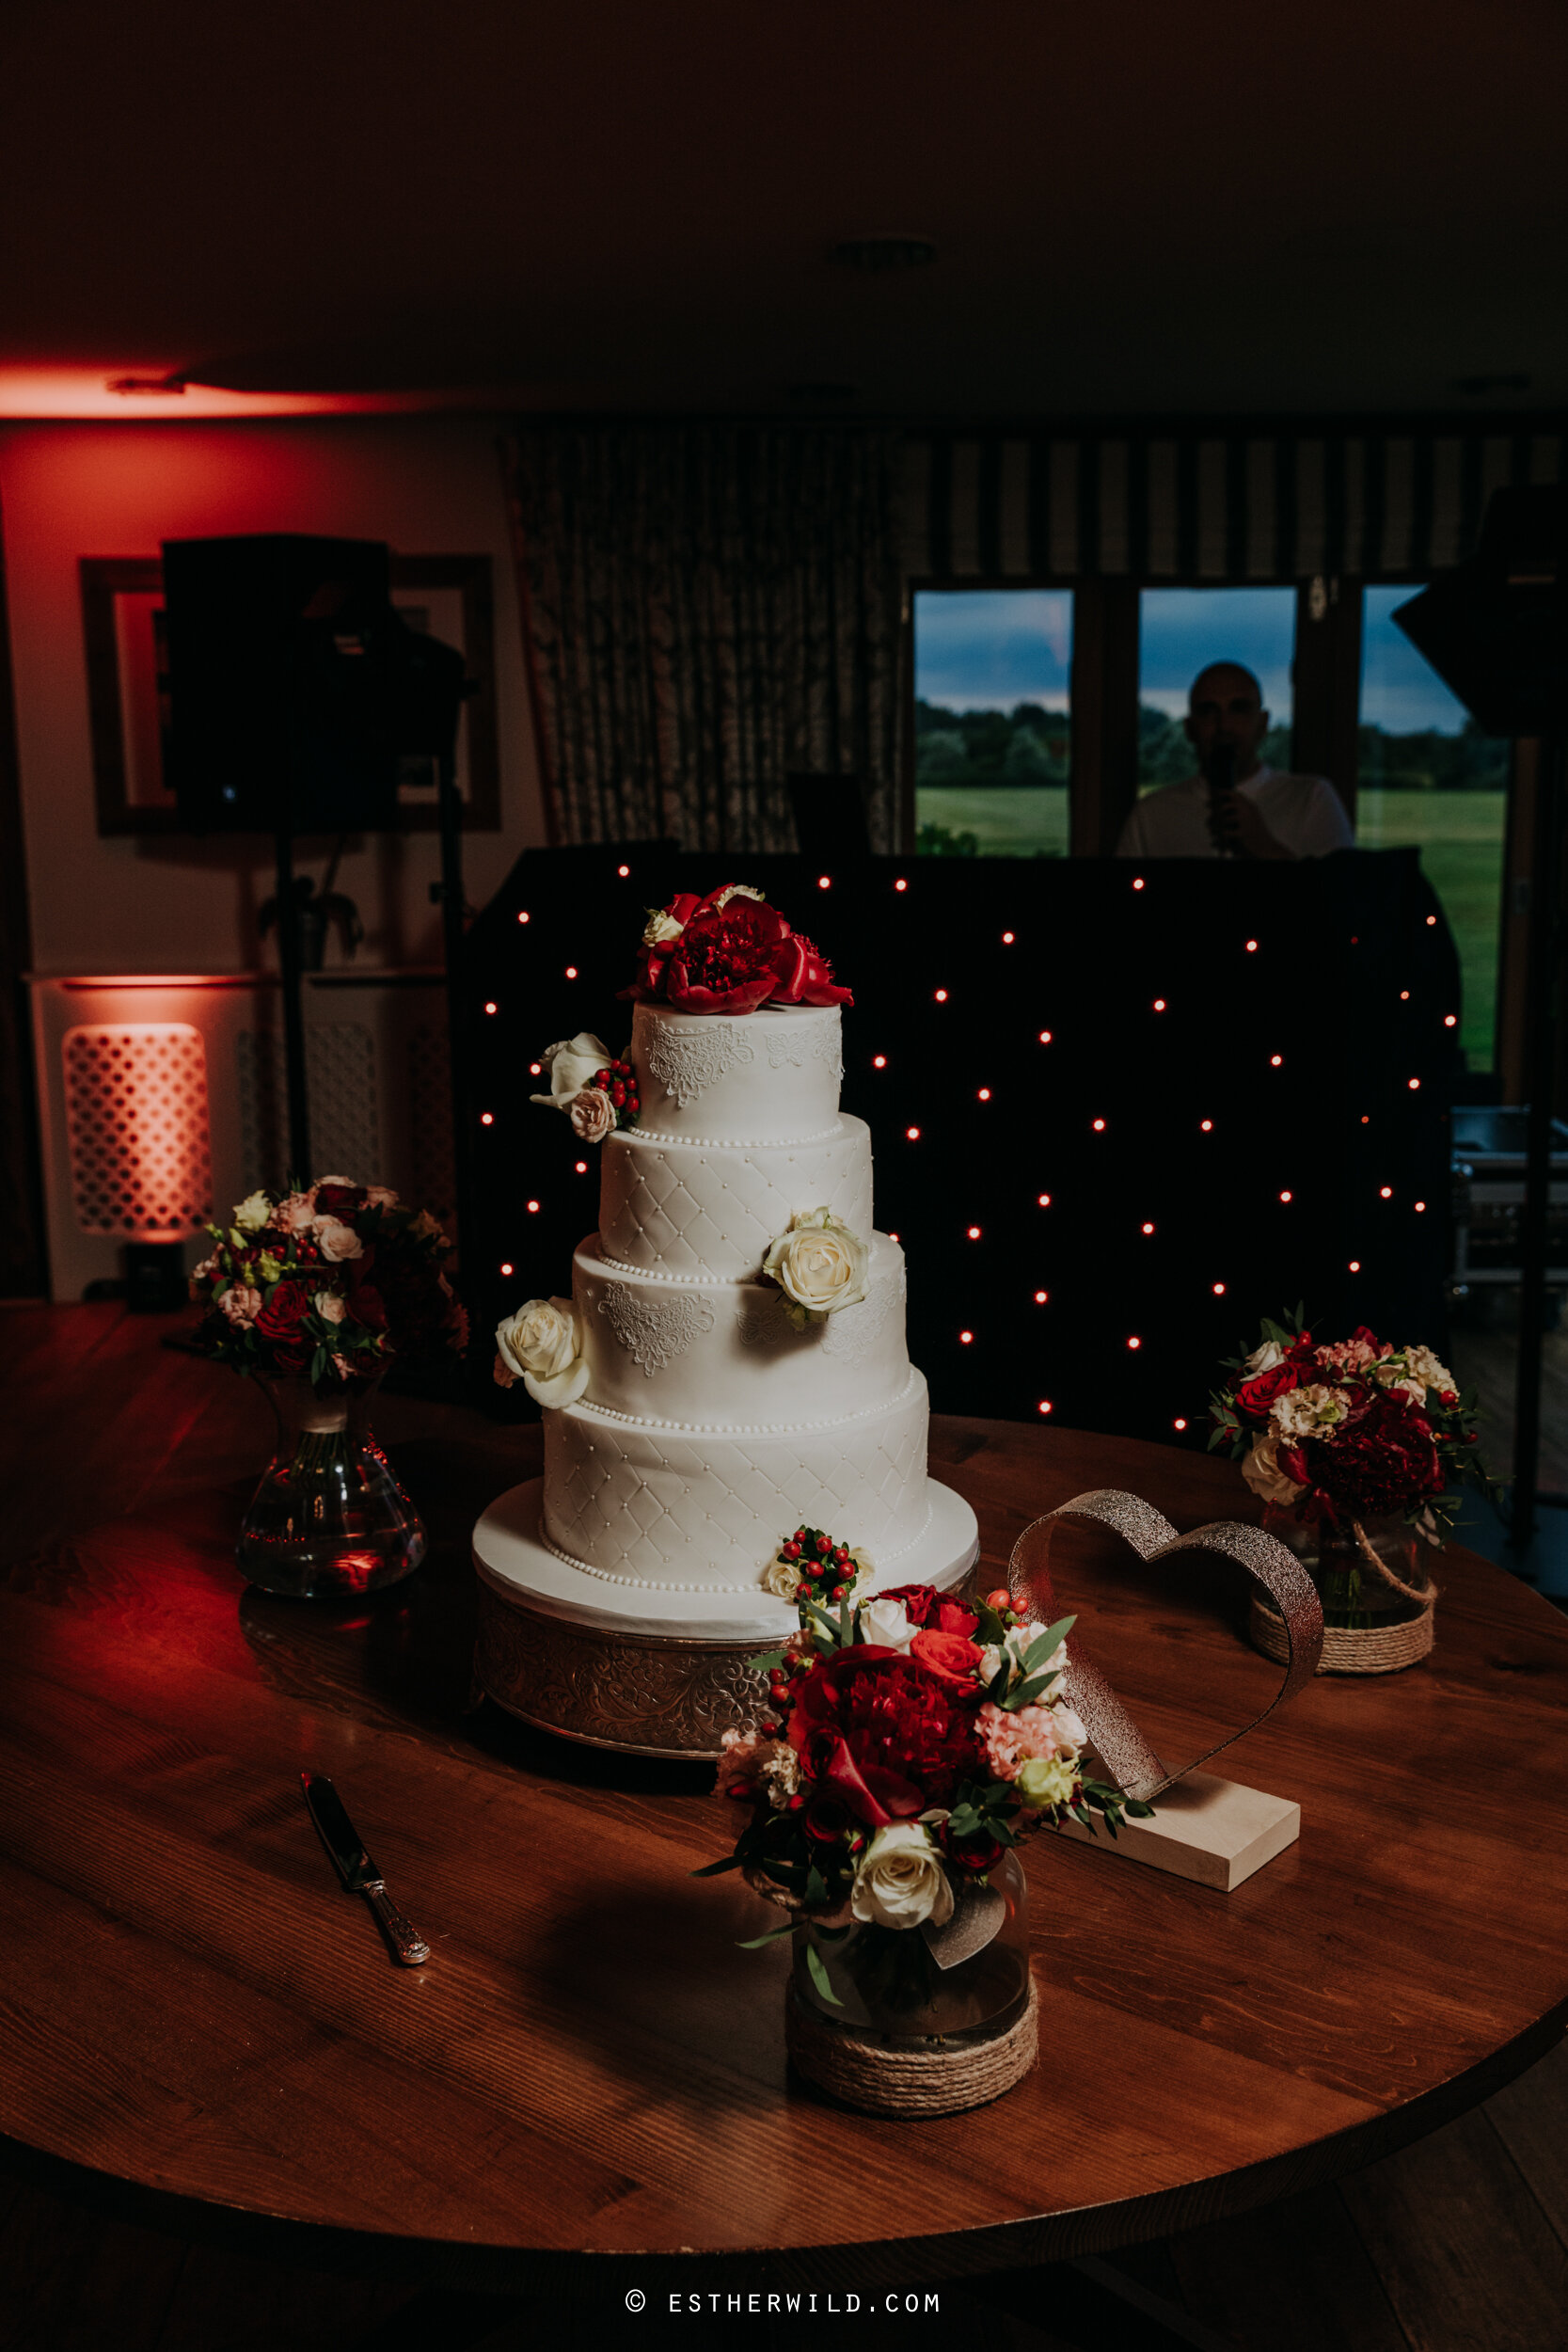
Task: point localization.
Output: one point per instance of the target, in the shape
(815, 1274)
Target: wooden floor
(1459, 2243)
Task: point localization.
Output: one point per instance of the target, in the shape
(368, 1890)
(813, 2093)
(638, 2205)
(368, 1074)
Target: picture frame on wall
(449, 596)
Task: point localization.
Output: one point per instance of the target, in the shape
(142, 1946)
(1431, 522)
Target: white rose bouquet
(909, 1742)
(819, 1264)
(597, 1094)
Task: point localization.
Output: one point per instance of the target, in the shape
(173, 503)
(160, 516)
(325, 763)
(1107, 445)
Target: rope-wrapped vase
(1380, 1648)
(885, 2077)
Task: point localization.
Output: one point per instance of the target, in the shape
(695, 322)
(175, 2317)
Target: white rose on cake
(819, 1264)
(900, 1883)
(571, 1064)
(541, 1346)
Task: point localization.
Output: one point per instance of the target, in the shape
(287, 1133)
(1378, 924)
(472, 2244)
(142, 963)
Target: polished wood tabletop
(197, 2018)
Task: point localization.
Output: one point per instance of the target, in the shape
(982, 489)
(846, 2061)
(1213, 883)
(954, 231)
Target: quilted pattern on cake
(671, 1511)
(738, 1205)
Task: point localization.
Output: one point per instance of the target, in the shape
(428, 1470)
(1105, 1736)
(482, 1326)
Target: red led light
(1045, 1405)
(964, 1337)
(1100, 1127)
(1430, 920)
(1218, 1289)
(1366, 1119)
(1419, 1206)
(942, 996)
(974, 1233)
(487, 1119)
(1276, 1061)
(900, 883)
(893, 1237)
(536, 1070)
(1252, 947)
(1045, 1200)
(1146, 1229)
(984, 1095)
(1040, 1297)
(581, 1168)
(1451, 1021)
(492, 1008)
(1159, 1004)
(1179, 1422)
(1355, 1265)
(1045, 1037)
(1137, 881)
(878, 1061)
(1415, 1085)
(622, 871)
(508, 1269)
(533, 1208)
(1006, 939)
(824, 882)
(1287, 1196)
(914, 1133)
(1385, 1192)
(571, 971)
(1134, 1343)
(1206, 1125)
(522, 919)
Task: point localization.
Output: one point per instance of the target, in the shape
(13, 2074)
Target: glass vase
(329, 1518)
(1353, 1595)
(889, 1986)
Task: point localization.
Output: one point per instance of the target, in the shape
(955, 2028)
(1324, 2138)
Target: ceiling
(625, 205)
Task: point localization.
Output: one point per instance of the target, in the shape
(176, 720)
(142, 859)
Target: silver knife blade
(338, 1833)
(354, 1865)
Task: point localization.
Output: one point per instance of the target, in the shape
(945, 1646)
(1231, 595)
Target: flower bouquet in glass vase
(313, 1293)
(1357, 1449)
(913, 1743)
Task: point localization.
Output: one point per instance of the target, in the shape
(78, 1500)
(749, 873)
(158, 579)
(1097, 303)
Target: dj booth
(1118, 1111)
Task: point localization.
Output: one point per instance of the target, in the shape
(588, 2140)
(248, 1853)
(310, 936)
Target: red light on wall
(900, 883)
(824, 882)
(533, 1208)
(1287, 1196)
(1252, 947)
(1040, 1297)
(1276, 1061)
(1006, 939)
(522, 919)
(1134, 1343)
(581, 1168)
(1137, 881)
(536, 1070)
(1206, 1125)
(965, 1338)
(974, 1233)
(1045, 1200)
(571, 971)
(1451, 1021)
(984, 1095)
(1404, 996)
(507, 1267)
(1385, 1192)
(1430, 920)
(942, 996)
(1100, 1127)
(878, 1061)
(1045, 1037)
(914, 1133)
(1045, 1405)
(1419, 1206)
(487, 1119)
(1179, 1422)
(492, 1008)
(1415, 1085)
(1159, 1004)
(1355, 1265)
(622, 871)
(1218, 1289)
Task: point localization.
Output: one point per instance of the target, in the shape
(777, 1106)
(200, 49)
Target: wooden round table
(587, 2082)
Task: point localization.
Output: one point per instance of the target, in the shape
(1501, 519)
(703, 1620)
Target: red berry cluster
(826, 1568)
(619, 1081)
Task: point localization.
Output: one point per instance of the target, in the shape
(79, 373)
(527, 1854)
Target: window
(1427, 775)
(1180, 630)
(992, 726)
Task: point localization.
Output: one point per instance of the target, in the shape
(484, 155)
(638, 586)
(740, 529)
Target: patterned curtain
(708, 610)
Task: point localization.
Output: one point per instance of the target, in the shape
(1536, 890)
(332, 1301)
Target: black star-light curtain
(1230, 503)
(708, 610)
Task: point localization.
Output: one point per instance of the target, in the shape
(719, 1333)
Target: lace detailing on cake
(687, 1062)
(850, 1335)
(762, 1322)
(655, 1332)
(821, 1041)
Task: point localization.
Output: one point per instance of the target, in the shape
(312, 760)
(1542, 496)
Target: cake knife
(355, 1868)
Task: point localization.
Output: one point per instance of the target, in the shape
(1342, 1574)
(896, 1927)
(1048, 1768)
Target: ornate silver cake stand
(624, 1666)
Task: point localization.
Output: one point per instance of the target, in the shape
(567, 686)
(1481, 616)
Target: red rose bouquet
(729, 952)
(329, 1284)
(1340, 1431)
(910, 1739)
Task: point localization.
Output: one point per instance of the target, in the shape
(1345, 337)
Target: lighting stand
(1543, 975)
(294, 1012)
(449, 890)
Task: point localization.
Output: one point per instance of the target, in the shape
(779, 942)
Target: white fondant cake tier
(702, 1512)
(515, 1560)
(680, 1207)
(724, 1355)
(758, 1077)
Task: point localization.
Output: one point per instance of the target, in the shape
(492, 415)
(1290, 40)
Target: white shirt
(1304, 815)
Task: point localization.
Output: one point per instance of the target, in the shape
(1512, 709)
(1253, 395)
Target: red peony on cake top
(729, 952)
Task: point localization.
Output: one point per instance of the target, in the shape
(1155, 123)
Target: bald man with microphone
(1235, 806)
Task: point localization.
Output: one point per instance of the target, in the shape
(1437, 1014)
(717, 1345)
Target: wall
(429, 486)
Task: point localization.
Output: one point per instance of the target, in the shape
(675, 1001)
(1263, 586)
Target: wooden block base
(1215, 1832)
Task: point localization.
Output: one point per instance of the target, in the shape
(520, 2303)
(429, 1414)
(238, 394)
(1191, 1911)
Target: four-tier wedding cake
(731, 1367)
